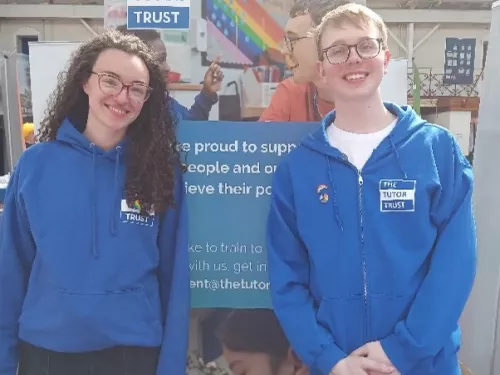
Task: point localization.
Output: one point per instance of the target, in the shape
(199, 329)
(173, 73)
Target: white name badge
(397, 195)
(132, 215)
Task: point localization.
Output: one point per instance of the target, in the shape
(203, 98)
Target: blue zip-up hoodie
(199, 111)
(79, 269)
(386, 253)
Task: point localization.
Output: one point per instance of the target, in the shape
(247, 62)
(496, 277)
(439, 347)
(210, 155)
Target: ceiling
(431, 4)
(375, 4)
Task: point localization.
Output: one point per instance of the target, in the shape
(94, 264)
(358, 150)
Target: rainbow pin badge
(137, 205)
(321, 188)
(323, 197)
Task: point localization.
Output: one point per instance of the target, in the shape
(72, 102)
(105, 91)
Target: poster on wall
(228, 185)
(228, 182)
(459, 61)
(115, 14)
(24, 82)
(250, 31)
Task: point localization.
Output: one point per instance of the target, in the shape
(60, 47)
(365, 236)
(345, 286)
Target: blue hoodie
(387, 253)
(79, 269)
(199, 111)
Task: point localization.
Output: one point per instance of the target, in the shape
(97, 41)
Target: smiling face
(300, 49)
(110, 109)
(359, 77)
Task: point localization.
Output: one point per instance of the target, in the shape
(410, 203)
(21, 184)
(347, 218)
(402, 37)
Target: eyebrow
(344, 42)
(291, 33)
(118, 76)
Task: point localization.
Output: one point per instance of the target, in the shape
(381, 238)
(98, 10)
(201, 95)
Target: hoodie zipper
(362, 239)
(363, 260)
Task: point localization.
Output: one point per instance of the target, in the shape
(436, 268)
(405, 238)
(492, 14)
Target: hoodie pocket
(97, 318)
(385, 311)
(343, 318)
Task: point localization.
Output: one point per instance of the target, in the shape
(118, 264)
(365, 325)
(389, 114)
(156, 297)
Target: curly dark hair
(152, 155)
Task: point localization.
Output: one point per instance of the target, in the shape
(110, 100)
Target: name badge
(132, 215)
(397, 195)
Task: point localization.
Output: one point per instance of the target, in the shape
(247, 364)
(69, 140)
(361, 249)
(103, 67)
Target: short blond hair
(354, 14)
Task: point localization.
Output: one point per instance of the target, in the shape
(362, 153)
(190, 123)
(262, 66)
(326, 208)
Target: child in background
(371, 232)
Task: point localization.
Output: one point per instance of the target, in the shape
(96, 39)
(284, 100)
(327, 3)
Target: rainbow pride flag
(242, 28)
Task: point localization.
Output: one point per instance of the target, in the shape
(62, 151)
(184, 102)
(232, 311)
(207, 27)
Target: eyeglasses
(111, 85)
(366, 49)
(289, 42)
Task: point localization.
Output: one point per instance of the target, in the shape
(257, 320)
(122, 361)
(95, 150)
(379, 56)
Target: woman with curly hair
(94, 274)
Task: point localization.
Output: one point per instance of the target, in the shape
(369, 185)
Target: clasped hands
(370, 359)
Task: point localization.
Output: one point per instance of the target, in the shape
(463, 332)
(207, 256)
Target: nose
(122, 97)
(354, 56)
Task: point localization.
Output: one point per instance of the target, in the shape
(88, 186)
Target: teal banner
(228, 186)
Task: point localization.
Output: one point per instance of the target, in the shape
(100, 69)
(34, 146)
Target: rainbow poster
(242, 29)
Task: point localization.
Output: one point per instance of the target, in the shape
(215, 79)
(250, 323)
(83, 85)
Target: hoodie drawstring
(334, 193)
(112, 224)
(95, 250)
(334, 190)
(398, 159)
(93, 204)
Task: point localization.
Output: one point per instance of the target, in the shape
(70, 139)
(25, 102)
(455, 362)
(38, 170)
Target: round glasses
(366, 49)
(111, 85)
(289, 42)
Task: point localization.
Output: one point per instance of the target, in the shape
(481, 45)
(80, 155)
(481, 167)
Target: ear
(387, 59)
(320, 69)
(85, 87)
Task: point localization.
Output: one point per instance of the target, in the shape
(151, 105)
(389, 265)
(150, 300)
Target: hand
(213, 77)
(357, 365)
(374, 351)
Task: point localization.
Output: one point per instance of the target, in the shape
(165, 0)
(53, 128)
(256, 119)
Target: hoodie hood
(408, 122)
(70, 135)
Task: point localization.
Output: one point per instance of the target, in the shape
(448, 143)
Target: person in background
(212, 81)
(371, 232)
(94, 273)
(304, 96)
(253, 343)
(29, 134)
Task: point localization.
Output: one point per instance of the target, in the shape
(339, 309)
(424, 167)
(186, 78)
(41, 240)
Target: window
(23, 43)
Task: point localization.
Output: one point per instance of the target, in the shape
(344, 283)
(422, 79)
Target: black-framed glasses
(366, 49)
(111, 85)
(289, 42)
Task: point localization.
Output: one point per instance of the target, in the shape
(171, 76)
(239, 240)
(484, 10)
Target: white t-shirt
(357, 147)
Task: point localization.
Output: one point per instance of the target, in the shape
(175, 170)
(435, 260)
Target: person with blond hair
(371, 231)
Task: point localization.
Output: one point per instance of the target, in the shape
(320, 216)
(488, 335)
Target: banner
(459, 61)
(228, 188)
(159, 14)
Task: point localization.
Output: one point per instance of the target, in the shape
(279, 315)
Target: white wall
(53, 30)
(431, 53)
